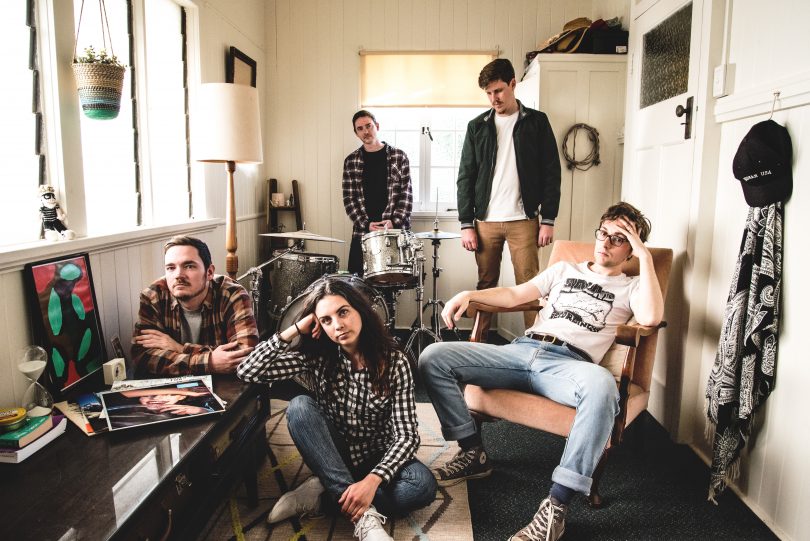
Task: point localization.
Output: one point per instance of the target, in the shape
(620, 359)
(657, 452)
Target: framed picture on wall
(240, 68)
(64, 315)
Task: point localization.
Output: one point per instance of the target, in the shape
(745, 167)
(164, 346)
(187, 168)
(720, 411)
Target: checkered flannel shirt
(400, 196)
(227, 316)
(372, 424)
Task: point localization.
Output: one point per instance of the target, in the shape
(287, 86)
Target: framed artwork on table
(240, 68)
(64, 315)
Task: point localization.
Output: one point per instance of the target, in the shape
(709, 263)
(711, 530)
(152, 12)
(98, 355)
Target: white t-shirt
(584, 308)
(505, 203)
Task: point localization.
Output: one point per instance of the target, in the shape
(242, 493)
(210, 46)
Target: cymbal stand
(435, 302)
(418, 330)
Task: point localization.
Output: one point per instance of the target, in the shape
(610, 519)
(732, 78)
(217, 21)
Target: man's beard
(188, 296)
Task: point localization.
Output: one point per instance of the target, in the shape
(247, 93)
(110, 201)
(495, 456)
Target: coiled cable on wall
(592, 158)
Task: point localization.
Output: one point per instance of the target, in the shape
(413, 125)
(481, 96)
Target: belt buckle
(548, 338)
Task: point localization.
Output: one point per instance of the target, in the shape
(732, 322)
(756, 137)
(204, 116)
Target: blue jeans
(325, 452)
(530, 366)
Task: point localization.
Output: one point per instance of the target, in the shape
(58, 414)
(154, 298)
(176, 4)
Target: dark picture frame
(64, 317)
(129, 408)
(240, 68)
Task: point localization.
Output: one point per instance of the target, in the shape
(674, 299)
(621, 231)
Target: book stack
(33, 435)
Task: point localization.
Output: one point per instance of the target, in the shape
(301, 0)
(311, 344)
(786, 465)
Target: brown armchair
(630, 359)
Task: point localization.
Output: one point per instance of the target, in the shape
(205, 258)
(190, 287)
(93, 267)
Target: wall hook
(776, 95)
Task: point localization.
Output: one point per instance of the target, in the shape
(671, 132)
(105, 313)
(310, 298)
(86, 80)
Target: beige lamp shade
(228, 124)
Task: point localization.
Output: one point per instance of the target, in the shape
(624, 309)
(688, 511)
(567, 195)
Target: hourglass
(37, 400)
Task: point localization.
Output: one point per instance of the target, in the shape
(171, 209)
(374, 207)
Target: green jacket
(538, 165)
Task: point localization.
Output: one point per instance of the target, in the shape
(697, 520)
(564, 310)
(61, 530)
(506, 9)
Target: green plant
(92, 57)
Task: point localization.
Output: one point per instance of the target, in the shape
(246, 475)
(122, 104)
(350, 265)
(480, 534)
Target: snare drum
(292, 273)
(389, 257)
(292, 312)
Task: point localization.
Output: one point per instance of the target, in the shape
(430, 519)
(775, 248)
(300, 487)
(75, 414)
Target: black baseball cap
(763, 164)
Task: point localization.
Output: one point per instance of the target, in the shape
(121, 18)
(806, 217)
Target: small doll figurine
(53, 219)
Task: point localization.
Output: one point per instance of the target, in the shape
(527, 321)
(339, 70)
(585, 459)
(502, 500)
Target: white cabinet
(589, 89)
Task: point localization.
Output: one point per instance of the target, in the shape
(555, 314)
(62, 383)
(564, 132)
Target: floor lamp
(228, 130)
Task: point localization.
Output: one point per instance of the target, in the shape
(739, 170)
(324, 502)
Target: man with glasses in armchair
(556, 358)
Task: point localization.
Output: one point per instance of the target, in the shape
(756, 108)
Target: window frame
(59, 104)
(424, 204)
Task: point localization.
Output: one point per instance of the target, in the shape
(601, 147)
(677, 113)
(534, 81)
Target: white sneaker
(304, 500)
(369, 527)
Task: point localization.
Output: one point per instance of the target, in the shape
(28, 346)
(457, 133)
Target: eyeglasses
(615, 240)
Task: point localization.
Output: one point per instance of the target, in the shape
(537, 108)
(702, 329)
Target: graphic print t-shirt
(584, 308)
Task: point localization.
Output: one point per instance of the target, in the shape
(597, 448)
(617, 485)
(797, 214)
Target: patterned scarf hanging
(743, 373)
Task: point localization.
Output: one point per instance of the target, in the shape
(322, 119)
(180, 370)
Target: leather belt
(551, 339)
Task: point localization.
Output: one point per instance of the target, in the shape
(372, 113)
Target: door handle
(680, 111)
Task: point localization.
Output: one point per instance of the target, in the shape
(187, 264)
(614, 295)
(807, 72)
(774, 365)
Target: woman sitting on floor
(358, 430)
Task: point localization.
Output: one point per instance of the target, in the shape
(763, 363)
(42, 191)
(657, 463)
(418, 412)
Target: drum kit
(392, 262)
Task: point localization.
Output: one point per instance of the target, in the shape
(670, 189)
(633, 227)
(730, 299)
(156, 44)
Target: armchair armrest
(475, 308)
(630, 335)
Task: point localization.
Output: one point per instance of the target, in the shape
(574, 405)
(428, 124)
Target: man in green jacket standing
(508, 182)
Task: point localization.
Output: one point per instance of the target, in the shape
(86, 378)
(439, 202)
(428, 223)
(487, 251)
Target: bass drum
(292, 274)
(292, 312)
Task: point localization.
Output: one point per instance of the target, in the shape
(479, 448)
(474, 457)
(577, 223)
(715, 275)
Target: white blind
(422, 79)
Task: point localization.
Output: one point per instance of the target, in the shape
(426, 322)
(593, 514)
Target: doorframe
(683, 382)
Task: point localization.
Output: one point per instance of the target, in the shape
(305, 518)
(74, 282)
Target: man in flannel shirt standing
(192, 321)
(376, 187)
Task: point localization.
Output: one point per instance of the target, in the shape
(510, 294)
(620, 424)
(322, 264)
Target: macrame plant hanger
(99, 76)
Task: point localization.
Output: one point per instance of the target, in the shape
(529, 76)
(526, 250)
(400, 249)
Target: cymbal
(301, 234)
(437, 235)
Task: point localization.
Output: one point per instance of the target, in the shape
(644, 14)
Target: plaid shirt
(227, 316)
(372, 424)
(400, 197)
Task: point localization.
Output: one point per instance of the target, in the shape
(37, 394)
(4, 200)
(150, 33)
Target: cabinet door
(591, 93)
(574, 89)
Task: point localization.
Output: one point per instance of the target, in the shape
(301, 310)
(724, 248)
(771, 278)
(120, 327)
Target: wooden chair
(630, 359)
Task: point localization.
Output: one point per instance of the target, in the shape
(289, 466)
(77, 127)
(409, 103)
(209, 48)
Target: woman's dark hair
(374, 343)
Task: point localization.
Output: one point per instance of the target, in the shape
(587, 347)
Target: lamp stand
(231, 259)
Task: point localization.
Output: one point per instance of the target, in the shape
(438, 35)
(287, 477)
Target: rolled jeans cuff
(455, 433)
(572, 480)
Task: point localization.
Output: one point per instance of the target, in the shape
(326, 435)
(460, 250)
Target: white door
(659, 154)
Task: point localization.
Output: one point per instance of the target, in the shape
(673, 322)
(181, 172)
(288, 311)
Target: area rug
(446, 519)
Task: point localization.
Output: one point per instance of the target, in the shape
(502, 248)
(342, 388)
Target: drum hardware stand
(434, 301)
(436, 239)
(390, 295)
(418, 330)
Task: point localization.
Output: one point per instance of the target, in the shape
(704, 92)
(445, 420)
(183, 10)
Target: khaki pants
(521, 236)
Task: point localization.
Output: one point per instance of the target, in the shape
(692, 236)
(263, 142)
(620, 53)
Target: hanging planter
(99, 76)
(99, 86)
